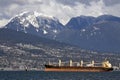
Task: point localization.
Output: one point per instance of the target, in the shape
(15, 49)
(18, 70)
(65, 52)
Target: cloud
(6, 3)
(114, 10)
(65, 12)
(3, 22)
(73, 2)
(62, 9)
(87, 2)
(111, 2)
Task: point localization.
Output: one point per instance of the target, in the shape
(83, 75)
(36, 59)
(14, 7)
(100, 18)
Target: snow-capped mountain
(94, 33)
(35, 23)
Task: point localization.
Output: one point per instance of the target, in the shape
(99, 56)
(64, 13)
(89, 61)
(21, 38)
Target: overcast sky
(62, 9)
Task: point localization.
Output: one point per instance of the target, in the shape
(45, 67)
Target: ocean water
(41, 75)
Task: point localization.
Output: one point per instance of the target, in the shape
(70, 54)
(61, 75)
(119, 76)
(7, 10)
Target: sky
(64, 10)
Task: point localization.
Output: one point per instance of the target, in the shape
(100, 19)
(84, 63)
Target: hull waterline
(76, 69)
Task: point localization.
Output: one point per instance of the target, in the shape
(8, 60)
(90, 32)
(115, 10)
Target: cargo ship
(79, 66)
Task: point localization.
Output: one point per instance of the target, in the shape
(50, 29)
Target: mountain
(81, 22)
(36, 23)
(93, 33)
(19, 50)
(102, 37)
(22, 44)
(99, 34)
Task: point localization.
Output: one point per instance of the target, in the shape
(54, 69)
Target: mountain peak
(35, 13)
(34, 18)
(35, 23)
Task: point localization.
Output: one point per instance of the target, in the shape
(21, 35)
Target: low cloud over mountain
(62, 9)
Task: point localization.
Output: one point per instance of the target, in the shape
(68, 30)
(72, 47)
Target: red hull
(76, 69)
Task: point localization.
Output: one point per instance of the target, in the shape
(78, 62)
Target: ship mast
(70, 62)
(59, 62)
(81, 63)
(119, 65)
(93, 63)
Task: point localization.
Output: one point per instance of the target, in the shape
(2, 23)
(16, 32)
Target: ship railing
(67, 63)
(97, 63)
(86, 62)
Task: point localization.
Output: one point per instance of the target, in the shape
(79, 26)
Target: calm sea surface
(41, 75)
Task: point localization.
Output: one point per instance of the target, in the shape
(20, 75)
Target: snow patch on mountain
(32, 19)
(96, 28)
(83, 30)
(45, 32)
(37, 30)
(26, 18)
(21, 14)
(55, 31)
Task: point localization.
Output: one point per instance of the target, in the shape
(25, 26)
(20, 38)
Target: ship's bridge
(106, 64)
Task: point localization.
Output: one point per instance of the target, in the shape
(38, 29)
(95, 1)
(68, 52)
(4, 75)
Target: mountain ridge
(80, 22)
(87, 32)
